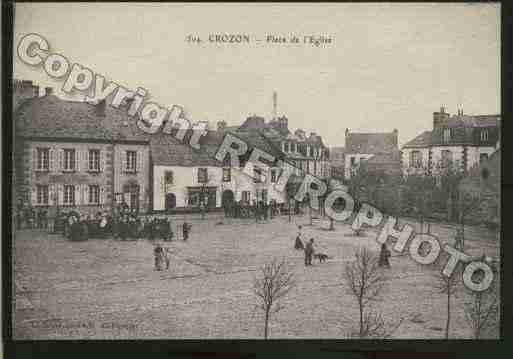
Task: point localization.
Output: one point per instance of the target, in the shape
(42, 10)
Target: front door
(170, 201)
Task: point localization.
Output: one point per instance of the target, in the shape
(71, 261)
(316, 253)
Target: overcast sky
(389, 66)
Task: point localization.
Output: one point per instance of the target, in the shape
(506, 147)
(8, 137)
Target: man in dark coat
(309, 252)
(384, 255)
(185, 229)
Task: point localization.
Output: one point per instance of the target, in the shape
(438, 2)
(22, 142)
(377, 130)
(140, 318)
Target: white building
(183, 177)
(460, 141)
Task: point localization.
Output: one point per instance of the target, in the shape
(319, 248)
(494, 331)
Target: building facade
(337, 162)
(460, 142)
(184, 178)
(380, 151)
(80, 156)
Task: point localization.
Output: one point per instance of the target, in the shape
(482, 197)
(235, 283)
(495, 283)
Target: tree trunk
(448, 312)
(266, 328)
(290, 213)
(361, 318)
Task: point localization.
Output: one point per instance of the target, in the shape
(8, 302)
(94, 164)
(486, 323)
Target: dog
(321, 257)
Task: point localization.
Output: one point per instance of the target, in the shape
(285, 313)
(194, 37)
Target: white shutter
(123, 161)
(138, 161)
(50, 160)
(86, 159)
(60, 194)
(51, 193)
(103, 158)
(85, 194)
(61, 160)
(77, 195)
(33, 197)
(103, 193)
(77, 160)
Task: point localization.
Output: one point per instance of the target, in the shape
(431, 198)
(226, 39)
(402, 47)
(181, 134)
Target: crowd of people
(259, 210)
(27, 217)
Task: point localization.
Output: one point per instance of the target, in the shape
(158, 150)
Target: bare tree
(446, 285)
(481, 311)
(366, 280)
(275, 282)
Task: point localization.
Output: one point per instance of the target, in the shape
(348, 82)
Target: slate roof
(472, 121)
(422, 140)
(371, 143)
(166, 150)
(52, 117)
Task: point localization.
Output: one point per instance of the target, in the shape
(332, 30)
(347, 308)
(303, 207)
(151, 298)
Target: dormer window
(484, 135)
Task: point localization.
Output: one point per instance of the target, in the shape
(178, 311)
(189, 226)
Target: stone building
(184, 177)
(307, 153)
(81, 156)
(379, 150)
(337, 162)
(459, 142)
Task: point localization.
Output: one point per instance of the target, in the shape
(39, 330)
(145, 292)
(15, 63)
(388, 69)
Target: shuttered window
(69, 195)
(42, 194)
(69, 160)
(94, 160)
(94, 194)
(42, 159)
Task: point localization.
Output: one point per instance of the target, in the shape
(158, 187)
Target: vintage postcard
(256, 171)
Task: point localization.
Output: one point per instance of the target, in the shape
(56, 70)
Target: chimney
(48, 91)
(347, 132)
(221, 125)
(439, 117)
(396, 133)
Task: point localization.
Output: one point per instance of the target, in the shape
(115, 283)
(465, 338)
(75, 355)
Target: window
(483, 157)
(416, 159)
(42, 194)
(246, 196)
(227, 174)
(484, 135)
(94, 160)
(286, 147)
(202, 175)
(447, 135)
(168, 177)
(69, 160)
(311, 151)
(131, 161)
(257, 175)
(446, 158)
(273, 175)
(43, 159)
(353, 160)
(69, 195)
(94, 194)
(293, 147)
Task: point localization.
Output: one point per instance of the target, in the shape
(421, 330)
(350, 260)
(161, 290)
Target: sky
(388, 65)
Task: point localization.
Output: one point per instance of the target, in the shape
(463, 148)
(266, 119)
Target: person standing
(384, 256)
(309, 252)
(158, 252)
(185, 230)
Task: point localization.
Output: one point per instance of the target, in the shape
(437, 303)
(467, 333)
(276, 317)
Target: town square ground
(108, 289)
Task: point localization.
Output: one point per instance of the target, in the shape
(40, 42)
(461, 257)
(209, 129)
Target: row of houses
(90, 157)
(460, 142)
